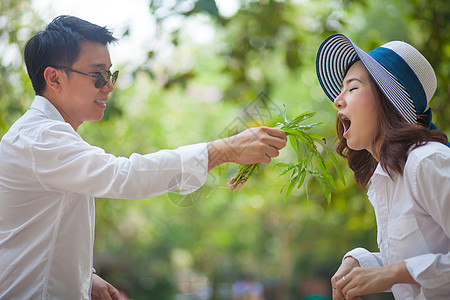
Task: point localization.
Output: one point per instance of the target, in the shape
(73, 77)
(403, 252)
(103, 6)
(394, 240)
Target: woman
(386, 134)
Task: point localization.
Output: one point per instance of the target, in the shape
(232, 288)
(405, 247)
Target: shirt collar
(46, 107)
(380, 171)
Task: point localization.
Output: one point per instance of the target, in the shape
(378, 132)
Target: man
(49, 175)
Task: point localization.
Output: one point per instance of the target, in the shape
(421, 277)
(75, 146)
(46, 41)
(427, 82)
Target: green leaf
(323, 185)
(293, 183)
(306, 190)
(287, 169)
(316, 136)
(302, 179)
(302, 117)
(294, 132)
(282, 165)
(293, 143)
(327, 174)
(284, 114)
(304, 143)
(336, 165)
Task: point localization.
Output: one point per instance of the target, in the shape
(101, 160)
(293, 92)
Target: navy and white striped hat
(401, 72)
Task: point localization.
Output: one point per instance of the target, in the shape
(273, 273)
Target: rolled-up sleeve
(365, 258)
(62, 160)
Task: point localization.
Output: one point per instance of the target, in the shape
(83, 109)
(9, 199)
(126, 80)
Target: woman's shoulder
(430, 148)
(429, 153)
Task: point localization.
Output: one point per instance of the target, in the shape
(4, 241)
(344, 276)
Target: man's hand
(352, 281)
(251, 146)
(102, 290)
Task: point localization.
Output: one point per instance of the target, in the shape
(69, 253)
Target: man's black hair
(59, 44)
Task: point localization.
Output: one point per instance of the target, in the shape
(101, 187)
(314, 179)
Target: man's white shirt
(49, 177)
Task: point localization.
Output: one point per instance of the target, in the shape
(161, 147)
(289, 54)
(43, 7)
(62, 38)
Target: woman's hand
(347, 265)
(351, 281)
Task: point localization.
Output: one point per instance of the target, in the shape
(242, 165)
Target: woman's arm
(362, 281)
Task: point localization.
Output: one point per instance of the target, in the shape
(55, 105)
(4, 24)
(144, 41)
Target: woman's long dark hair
(397, 135)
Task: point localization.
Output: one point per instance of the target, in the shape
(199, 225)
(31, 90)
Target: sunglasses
(101, 78)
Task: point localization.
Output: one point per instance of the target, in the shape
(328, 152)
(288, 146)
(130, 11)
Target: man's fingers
(275, 137)
(104, 294)
(114, 293)
(271, 151)
(278, 144)
(275, 132)
(279, 136)
(102, 290)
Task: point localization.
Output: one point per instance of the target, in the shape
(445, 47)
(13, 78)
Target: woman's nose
(339, 101)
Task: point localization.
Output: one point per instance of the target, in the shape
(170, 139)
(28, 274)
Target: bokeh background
(199, 70)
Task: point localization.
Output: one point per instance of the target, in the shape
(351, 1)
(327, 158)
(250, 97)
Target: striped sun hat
(401, 72)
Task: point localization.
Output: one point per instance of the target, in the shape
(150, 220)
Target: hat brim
(334, 56)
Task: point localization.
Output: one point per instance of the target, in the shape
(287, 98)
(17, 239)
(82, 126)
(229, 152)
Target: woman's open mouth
(346, 123)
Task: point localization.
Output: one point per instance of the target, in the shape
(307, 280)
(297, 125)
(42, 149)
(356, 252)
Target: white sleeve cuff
(365, 257)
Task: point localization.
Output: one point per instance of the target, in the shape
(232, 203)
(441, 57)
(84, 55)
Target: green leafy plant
(305, 144)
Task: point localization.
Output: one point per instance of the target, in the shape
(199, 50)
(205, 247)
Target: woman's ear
(52, 77)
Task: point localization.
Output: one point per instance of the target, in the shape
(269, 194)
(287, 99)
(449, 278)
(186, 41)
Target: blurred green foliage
(171, 247)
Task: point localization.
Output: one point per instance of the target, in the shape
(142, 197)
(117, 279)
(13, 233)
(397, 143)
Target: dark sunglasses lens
(114, 77)
(103, 78)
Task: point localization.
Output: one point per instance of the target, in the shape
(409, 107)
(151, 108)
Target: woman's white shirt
(413, 222)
